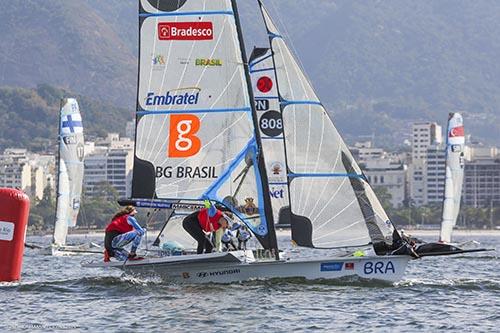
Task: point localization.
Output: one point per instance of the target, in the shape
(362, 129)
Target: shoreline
(283, 231)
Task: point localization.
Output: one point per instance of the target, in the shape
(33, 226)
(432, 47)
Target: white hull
(72, 250)
(240, 266)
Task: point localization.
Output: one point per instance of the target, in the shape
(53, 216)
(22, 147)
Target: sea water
(456, 293)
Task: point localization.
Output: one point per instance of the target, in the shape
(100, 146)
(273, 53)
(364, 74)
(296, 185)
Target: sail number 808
(271, 123)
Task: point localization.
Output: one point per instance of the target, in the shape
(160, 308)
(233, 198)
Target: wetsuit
(120, 232)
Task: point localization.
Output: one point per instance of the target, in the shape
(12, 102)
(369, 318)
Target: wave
(84, 284)
(452, 284)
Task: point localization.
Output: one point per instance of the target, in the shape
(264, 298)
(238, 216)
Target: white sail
(70, 169)
(332, 205)
(455, 146)
(195, 134)
(268, 110)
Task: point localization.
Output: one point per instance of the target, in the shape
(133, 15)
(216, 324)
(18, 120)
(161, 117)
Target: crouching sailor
(123, 230)
(205, 221)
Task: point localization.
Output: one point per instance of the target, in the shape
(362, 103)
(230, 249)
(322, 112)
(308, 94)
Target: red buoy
(14, 212)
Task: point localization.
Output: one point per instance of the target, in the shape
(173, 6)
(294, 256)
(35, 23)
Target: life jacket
(120, 225)
(205, 220)
(117, 227)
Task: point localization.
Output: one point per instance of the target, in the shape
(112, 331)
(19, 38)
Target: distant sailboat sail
(331, 203)
(455, 146)
(70, 169)
(195, 132)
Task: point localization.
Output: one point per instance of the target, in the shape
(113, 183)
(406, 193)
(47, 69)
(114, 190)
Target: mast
(58, 161)
(260, 158)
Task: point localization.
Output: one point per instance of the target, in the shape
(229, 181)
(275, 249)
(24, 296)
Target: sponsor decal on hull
(185, 31)
(331, 266)
(219, 273)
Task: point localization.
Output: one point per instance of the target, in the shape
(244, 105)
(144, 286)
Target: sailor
(123, 230)
(206, 221)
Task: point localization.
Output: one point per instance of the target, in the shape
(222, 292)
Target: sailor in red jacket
(122, 231)
(206, 220)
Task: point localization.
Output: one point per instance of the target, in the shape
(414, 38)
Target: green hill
(29, 117)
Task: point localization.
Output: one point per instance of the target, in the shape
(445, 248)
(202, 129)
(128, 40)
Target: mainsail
(70, 169)
(331, 203)
(455, 146)
(268, 110)
(195, 132)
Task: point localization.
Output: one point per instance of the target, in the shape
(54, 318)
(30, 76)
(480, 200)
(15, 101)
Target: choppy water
(460, 293)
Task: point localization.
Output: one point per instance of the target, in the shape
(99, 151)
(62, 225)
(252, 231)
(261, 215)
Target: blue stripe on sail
(272, 138)
(286, 103)
(272, 35)
(261, 70)
(258, 61)
(208, 12)
(246, 109)
(266, 97)
(278, 183)
(315, 175)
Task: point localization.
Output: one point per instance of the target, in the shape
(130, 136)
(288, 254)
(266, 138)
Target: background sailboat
(70, 168)
(455, 150)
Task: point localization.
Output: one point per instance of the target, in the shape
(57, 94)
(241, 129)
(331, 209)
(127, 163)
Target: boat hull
(71, 250)
(234, 267)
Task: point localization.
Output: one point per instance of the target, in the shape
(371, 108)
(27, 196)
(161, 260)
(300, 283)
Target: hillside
(29, 117)
(377, 65)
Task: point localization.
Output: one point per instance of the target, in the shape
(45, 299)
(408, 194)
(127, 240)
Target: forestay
(332, 205)
(270, 126)
(70, 169)
(455, 146)
(195, 134)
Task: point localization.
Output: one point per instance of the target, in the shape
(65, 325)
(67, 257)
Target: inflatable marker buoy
(14, 212)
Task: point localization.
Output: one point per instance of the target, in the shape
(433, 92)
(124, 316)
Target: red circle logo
(264, 84)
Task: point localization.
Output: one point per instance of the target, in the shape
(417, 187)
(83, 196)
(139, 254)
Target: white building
(482, 177)
(389, 174)
(15, 170)
(424, 135)
(435, 174)
(109, 161)
(363, 151)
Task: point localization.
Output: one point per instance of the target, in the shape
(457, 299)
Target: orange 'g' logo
(182, 140)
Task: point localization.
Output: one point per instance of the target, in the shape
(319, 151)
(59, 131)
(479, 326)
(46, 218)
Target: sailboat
(454, 175)
(201, 134)
(455, 150)
(70, 167)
